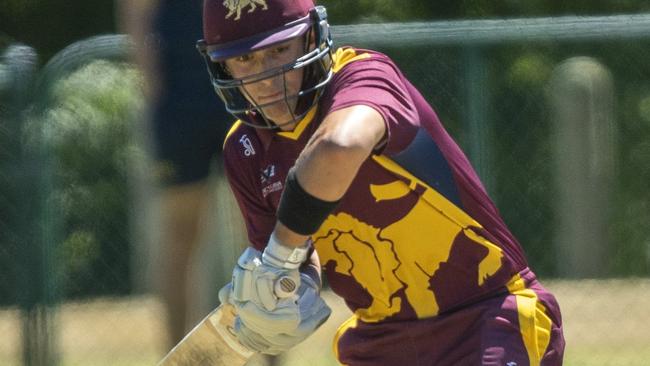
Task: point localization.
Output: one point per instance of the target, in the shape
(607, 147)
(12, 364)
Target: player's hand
(267, 279)
(252, 292)
(255, 281)
(268, 323)
(257, 329)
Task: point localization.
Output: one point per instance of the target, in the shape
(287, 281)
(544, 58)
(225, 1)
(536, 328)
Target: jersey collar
(301, 126)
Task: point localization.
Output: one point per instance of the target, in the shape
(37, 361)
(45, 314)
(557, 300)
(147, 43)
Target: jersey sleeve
(376, 82)
(258, 217)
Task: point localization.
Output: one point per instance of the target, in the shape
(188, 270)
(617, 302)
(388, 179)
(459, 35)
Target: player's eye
(244, 58)
(281, 49)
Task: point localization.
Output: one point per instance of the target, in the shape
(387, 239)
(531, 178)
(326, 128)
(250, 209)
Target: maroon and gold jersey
(416, 234)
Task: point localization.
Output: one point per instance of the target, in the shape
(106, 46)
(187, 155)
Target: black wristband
(300, 211)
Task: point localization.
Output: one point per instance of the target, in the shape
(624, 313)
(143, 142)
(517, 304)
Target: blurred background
(551, 101)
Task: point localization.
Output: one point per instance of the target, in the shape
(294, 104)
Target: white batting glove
(257, 297)
(257, 329)
(254, 281)
(267, 322)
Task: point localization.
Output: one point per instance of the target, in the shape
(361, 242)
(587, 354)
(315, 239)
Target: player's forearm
(326, 173)
(330, 161)
(327, 166)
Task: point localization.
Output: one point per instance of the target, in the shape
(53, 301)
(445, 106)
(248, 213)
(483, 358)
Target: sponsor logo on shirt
(267, 173)
(266, 176)
(248, 146)
(273, 187)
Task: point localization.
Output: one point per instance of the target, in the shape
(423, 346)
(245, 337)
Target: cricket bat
(213, 341)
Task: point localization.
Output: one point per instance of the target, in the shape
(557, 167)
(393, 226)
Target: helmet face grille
(317, 72)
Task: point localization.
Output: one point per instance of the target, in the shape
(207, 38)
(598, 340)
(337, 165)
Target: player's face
(271, 90)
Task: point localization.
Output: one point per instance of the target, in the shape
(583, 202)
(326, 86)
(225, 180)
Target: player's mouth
(271, 97)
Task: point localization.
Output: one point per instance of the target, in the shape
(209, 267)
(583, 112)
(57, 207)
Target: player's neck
(288, 127)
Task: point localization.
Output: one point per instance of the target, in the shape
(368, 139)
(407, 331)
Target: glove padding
(254, 281)
(272, 325)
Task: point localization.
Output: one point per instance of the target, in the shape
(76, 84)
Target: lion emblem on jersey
(236, 7)
(403, 256)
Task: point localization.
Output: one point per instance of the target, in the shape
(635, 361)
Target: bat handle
(285, 287)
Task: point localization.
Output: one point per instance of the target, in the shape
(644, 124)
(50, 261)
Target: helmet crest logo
(236, 6)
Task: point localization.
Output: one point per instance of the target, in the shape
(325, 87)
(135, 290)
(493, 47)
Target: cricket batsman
(338, 163)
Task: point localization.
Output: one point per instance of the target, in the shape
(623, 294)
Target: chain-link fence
(554, 113)
(491, 83)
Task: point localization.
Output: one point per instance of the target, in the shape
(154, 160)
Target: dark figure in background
(186, 126)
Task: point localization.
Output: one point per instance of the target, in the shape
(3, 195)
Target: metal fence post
(582, 104)
(476, 120)
(32, 289)
(38, 286)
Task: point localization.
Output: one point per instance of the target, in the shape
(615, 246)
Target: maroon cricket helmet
(236, 27)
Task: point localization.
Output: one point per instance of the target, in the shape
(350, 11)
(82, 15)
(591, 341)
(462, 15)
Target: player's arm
(322, 174)
(330, 161)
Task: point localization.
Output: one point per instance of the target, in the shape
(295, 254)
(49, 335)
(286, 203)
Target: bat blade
(211, 342)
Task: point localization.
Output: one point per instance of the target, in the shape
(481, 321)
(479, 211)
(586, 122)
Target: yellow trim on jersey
(534, 324)
(350, 323)
(344, 56)
(297, 131)
(232, 130)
